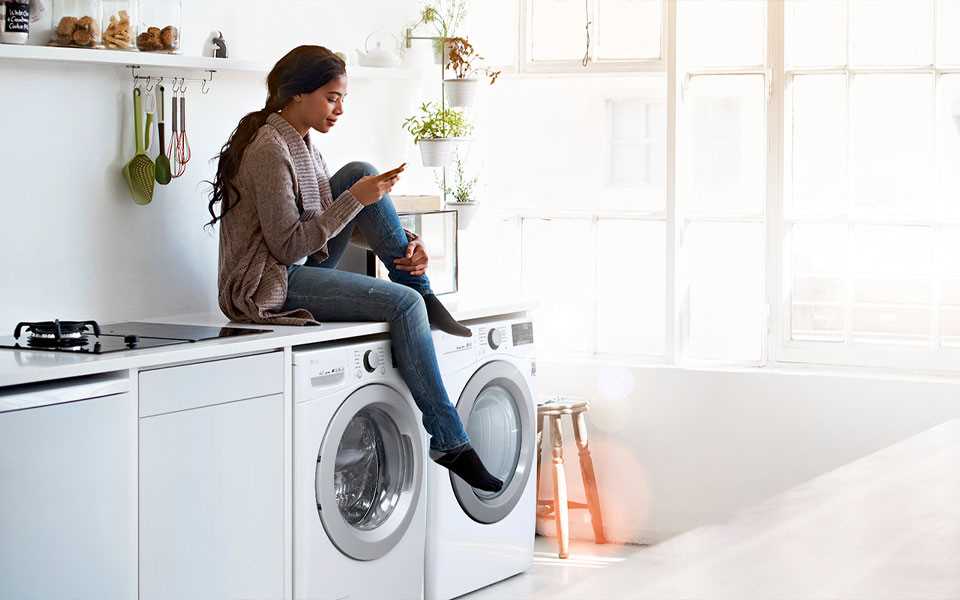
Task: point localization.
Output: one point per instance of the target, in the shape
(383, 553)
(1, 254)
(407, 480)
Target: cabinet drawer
(209, 383)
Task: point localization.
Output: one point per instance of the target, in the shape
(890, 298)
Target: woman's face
(321, 108)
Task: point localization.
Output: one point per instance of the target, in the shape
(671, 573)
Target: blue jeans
(333, 295)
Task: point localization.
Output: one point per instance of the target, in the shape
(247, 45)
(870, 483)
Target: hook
(203, 87)
(149, 87)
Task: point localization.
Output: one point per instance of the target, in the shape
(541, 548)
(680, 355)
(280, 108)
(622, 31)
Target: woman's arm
(289, 236)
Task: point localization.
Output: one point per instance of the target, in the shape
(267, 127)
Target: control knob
(371, 361)
(494, 339)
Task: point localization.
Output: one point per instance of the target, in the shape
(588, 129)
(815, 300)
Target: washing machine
(359, 511)
(475, 538)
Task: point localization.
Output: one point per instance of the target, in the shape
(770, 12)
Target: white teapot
(381, 54)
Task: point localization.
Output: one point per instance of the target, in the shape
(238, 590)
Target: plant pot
(439, 152)
(461, 92)
(465, 212)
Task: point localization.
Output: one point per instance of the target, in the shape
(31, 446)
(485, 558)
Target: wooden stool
(558, 507)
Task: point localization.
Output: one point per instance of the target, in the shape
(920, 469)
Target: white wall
(74, 244)
(679, 448)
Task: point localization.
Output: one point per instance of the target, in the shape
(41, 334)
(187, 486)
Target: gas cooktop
(89, 337)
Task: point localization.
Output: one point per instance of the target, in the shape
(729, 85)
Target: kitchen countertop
(25, 366)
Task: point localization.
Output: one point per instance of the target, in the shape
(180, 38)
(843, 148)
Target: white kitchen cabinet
(212, 481)
(68, 490)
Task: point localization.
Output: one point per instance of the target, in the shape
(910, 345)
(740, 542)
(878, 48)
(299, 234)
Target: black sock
(441, 319)
(465, 463)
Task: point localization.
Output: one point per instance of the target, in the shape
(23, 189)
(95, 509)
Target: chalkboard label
(17, 17)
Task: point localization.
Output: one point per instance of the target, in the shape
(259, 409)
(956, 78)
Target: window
(595, 35)
(736, 181)
(721, 180)
(870, 181)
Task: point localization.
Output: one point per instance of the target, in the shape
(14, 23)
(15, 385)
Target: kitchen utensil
(150, 106)
(163, 163)
(139, 172)
(182, 152)
(384, 53)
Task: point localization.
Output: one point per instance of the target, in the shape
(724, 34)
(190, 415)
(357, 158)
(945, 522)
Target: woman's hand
(416, 259)
(371, 188)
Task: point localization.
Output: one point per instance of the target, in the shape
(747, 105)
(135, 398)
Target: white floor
(886, 527)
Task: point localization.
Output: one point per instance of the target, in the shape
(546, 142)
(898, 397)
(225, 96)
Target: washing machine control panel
(369, 361)
(510, 337)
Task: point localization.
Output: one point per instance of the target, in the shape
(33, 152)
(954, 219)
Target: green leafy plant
(444, 17)
(436, 122)
(462, 186)
(462, 58)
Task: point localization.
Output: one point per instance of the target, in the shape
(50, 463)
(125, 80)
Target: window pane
(891, 32)
(819, 263)
(628, 29)
(892, 283)
(492, 27)
(815, 34)
(561, 281)
(552, 155)
(557, 29)
(637, 143)
(949, 16)
(726, 146)
(892, 144)
(948, 129)
(724, 291)
(721, 32)
(817, 126)
(631, 297)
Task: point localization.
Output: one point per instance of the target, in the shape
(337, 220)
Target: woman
(284, 224)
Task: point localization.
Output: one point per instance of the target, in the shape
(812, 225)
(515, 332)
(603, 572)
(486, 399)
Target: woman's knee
(361, 168)
(410, 303)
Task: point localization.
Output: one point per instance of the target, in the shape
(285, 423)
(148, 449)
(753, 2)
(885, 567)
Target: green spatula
(139, 172)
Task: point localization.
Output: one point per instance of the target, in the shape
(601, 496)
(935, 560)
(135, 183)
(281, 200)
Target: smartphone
(394, 172)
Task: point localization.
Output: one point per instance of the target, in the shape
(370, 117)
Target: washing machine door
(370, 472)
(497, 409)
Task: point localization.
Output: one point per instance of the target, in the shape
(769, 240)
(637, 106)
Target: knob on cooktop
(371, 361)
(494, 339)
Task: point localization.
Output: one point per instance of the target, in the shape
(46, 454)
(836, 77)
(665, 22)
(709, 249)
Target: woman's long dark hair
(301, 71)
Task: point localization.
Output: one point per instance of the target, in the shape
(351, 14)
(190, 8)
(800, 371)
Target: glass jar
(158, 28)
(76, 23)
(14, 21)
(119, 24)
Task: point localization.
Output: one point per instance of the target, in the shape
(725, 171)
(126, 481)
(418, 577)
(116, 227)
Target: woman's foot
(465, 463)
(441, 319)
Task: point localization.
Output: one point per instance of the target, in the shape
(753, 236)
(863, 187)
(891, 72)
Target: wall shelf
(170, 61)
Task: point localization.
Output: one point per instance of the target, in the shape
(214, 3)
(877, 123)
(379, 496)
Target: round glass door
(494, 430)
(370, 472)
(497, 409)
(369, 469)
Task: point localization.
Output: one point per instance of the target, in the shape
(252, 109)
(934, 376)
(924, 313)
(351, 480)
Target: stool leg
(589, 478)
(561, 508)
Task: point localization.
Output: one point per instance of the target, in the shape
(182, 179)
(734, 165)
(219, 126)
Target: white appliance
(476, 538)
(359, 453)
(68, 489)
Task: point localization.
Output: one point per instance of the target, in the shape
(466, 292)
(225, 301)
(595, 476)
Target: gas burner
(56, 333)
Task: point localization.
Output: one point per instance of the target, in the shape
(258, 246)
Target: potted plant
(463, 192)
(445, 18)
(462, 59)
(438, 131)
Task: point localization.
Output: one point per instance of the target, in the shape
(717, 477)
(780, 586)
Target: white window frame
(930, 358)
(526, 64)
(777, 350)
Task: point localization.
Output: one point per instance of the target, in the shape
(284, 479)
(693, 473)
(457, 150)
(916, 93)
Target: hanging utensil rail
(178, 84)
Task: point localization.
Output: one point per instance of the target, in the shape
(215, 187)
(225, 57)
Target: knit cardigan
(282, 211)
